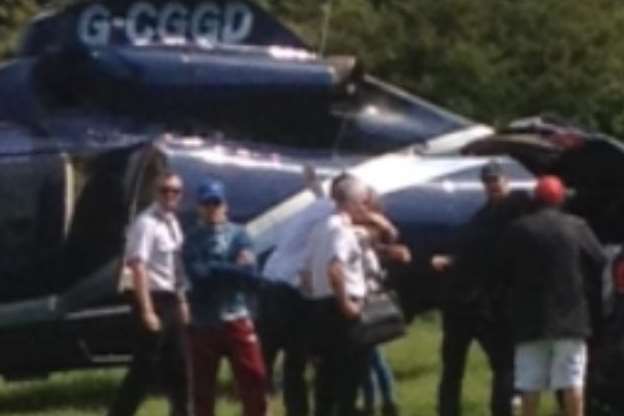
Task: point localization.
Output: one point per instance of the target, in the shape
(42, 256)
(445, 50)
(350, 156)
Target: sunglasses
(170, 190)
(211, 202)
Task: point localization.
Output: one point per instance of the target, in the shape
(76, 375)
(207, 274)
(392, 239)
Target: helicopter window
(100, 215)
(32, 219)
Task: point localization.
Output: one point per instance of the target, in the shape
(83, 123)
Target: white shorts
(550, 364)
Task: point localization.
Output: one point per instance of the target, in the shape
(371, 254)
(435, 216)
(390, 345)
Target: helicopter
(102, 96)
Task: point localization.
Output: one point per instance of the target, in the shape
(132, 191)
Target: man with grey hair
(336, 290)
(282, 305)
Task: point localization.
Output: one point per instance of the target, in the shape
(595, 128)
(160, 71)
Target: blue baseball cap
(210, 191)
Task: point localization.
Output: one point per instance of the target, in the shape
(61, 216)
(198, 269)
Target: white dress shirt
(335, 239)
(287, 260)
(155, 238)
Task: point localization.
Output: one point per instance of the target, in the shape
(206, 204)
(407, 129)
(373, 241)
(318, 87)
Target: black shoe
(390, 409)
(365, 412)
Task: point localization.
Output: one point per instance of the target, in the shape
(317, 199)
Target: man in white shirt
(337, 287)
(282, 307)
(159, 303)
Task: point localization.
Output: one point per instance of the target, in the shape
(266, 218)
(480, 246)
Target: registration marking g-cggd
(173, 23)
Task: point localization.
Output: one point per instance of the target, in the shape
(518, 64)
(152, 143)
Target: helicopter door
(32, 223)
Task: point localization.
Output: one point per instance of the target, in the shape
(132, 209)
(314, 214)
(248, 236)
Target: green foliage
(13, 15)
(492, 60)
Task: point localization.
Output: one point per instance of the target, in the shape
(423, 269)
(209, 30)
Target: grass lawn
(415, 361)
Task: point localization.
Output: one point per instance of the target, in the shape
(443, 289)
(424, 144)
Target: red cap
(550, 190)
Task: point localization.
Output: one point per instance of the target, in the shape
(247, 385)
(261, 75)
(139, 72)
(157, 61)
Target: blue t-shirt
(218, 284)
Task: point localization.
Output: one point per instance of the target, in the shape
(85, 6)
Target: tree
(493, 60)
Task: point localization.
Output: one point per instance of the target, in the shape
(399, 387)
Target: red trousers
(237, 340)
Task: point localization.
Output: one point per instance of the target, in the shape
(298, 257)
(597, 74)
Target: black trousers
(159, 358)
(282, 326)
(461, 327)
(341, 365)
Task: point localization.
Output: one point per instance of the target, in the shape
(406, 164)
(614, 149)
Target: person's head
(168, 191)
(337, 181)
(211, 201)
(549, 191)
(351, 196)
(494, 181)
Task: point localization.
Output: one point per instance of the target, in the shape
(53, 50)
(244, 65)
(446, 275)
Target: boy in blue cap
(219, 261)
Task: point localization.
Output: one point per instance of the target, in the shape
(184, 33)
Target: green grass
(415, 360)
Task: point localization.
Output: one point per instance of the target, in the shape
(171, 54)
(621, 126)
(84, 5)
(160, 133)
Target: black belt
(164, 296)
(158, 296)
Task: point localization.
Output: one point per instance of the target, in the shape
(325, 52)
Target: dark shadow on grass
(79, 392)
(414, 373)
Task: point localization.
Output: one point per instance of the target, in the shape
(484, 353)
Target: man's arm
(593, 248)
(245, 256)
(184, 311)
(195, 266)
(389, 233)
(143, 296)
(340, 247)
(138, 251)
(246, 265)
(399, 253)
(594, 262)
(349, 308)
(312, 182)
(462, 247)
(201, 269)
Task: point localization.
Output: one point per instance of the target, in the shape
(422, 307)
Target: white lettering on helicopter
(173, 24)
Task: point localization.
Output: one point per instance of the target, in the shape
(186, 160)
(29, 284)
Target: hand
(305, 282)
(184, 312)
(309, 174)
(151, 322)
(399, 253)
(351, 309)
(246, 258)
(385, 226)
(441, 263)
(311, 181)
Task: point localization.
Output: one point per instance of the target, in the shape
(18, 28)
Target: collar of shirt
(161, 213)
(170, 219)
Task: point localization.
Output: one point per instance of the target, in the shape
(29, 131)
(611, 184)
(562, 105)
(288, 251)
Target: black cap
(493, 170)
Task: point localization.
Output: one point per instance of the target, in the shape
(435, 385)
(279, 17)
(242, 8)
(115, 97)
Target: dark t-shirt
(554, 264)
(218, 284)
(475, 284)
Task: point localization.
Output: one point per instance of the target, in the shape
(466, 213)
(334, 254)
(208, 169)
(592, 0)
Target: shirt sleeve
(341, 246)
(593, 249)
(594, 261)
(140, 241)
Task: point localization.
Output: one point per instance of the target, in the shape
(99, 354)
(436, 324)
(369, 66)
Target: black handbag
(381, 319)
